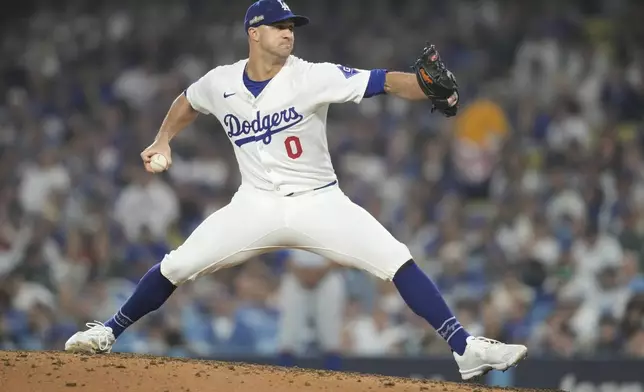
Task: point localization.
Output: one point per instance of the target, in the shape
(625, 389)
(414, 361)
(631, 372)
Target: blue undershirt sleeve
(376, 84)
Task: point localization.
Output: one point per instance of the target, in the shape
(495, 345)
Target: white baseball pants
(325, 222)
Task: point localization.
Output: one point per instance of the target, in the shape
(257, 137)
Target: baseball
(158, 163)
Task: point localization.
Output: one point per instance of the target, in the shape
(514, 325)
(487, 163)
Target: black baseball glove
(436, 81)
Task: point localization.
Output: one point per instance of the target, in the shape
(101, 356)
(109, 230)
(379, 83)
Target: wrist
(162, 137)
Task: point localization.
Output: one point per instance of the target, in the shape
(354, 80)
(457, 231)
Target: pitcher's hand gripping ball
(158, 163)
(436, 81)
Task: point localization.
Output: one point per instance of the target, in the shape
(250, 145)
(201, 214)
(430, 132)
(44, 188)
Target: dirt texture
(58, 371)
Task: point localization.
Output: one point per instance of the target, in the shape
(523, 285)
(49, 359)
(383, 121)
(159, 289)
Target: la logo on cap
(284, 6)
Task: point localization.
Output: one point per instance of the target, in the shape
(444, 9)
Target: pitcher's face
(276, 39)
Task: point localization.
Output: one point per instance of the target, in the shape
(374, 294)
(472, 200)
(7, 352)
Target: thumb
(146, 155)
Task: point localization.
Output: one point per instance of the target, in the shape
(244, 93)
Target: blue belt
(316, 189)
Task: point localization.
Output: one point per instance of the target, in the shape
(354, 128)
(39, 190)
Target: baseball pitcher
(273, 107)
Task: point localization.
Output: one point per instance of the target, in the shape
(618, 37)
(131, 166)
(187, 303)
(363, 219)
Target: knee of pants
(397, 256)
(176, 269)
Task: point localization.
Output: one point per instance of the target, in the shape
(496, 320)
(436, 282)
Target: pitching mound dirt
(57, 371)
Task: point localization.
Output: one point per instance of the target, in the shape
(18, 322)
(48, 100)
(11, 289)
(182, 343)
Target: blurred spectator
(543, 246)
(631, 238)
(609, 342)
(374, 334)
(568, 129)
(635, 344)
(146, 202)
(41, 180)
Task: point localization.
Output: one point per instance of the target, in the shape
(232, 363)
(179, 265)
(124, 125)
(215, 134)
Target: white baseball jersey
(279, 137)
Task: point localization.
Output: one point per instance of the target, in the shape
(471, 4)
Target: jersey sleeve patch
(347, 71)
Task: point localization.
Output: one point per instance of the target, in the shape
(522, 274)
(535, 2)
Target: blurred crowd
(527, 209)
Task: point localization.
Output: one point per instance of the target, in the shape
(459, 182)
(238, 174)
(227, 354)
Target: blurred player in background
(312, 301)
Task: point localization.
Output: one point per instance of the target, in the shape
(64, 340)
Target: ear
(253, 34)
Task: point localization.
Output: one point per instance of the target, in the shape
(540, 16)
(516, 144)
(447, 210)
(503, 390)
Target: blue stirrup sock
(423, 297)
(151, 292)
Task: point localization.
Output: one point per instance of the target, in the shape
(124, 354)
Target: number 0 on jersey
(293, 147)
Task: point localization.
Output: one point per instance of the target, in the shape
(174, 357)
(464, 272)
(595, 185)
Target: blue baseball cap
(266, 12)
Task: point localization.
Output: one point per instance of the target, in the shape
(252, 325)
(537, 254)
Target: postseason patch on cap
(256, 19)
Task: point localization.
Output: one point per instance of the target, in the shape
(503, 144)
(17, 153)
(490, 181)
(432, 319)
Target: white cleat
(97, 339)
(482, 355)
